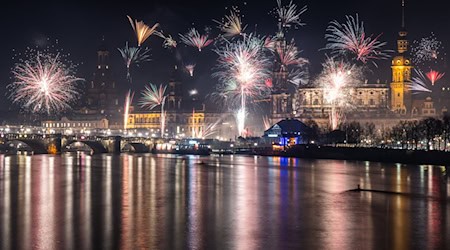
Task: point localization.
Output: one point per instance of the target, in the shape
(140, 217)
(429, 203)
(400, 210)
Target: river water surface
(219, 202)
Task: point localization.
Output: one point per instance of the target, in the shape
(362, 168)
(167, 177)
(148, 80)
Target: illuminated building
(383, 104)
(401, 99)
(287, 132)
(65, 122)
(186, 117)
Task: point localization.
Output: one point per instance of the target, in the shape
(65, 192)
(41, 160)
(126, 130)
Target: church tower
(401, 99)
(280, 98)
(175, 91)
(102, 96)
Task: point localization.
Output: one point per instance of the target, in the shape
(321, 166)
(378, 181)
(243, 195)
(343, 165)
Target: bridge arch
(35, 146)
(94, 147)
(135, 147)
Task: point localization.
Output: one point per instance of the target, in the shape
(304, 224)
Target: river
(77, 201)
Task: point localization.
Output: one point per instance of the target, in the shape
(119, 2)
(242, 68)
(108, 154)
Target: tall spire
(403, 14)
(402, 42)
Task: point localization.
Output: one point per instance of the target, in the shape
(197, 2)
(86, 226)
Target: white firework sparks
(428, 49)
(419, 82)
(338, 79)
(289, 15)
(44, 83)
(169, 42)
(152, 97)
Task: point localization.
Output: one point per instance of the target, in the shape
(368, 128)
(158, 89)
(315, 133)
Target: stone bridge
(57, 143)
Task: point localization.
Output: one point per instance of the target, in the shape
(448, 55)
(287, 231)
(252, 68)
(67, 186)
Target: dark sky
(79, 27)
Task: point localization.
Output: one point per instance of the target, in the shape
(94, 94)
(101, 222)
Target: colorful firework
(169, 42)
(126, 110)
(427, 49)
(190, 69)
(231, 25)
(291, 67)
(419, 82)
(243, 70)
(350, 38)
(287, 54)
(434, 76)
(44, 82)
(269, 43)
(133, 55)
(289, 15)
(194, 39)
(338, 79)
(142, 30)
(152, 97)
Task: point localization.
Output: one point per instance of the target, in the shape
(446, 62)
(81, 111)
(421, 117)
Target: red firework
(434, 76)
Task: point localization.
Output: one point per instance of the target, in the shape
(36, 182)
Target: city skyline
(159, 69)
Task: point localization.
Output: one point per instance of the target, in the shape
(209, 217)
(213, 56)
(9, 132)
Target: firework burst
(288, 59)
(350, 38)
(288, 54)
(152, 97)
(126, 110)
(231, 25)
(206, 130)
(434, 76)
(243, 70)
(338, 79)
(194, 39)
(298, 76)
(169, 42)
(428, 49)
(142, 30)
(190, 69)
(133, 55)
(44, 83)
(419, 82)
(289, 15)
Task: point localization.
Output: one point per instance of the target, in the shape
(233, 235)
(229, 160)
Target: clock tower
(401, 99)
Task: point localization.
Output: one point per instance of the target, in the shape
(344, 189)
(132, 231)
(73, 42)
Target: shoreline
(404, 156)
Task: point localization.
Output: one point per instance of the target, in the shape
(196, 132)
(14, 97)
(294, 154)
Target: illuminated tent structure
(288, 132)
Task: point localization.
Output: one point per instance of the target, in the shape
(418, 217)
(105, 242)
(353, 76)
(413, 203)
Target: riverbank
(368, 154)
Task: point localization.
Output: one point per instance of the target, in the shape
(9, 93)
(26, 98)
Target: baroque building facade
(383, 104)
(185, 117)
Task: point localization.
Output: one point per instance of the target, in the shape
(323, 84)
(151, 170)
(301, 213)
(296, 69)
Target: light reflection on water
(230, 202)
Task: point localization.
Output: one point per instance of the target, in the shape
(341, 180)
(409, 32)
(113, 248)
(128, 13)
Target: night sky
(79, 27)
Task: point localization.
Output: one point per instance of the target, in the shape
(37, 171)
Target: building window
(398, 94)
